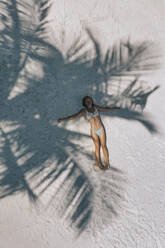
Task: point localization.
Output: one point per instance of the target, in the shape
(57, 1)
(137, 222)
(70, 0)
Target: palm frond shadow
(107, 199)
(13, 179)
(38, 156)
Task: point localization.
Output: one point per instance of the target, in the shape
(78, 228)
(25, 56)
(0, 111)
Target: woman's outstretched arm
(71, 117)
(100, 108)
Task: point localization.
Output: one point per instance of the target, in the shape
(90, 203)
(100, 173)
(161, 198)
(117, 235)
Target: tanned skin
(95, 122)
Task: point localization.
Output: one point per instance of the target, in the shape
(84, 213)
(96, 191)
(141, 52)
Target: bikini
(91, 115)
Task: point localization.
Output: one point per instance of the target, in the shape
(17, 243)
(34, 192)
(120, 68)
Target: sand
(51, 56)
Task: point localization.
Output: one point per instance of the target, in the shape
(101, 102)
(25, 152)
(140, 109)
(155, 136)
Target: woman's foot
(99, 166)
(107, 166)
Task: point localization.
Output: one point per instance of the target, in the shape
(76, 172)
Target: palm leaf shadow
(13, 179)
(37, 139)
(121, 68)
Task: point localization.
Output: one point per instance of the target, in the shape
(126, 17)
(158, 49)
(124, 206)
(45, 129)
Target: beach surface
(52, 54)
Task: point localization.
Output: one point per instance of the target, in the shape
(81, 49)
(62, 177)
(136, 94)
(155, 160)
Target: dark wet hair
(84, 99)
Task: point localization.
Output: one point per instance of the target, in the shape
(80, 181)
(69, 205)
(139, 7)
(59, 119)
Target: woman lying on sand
(92, 112)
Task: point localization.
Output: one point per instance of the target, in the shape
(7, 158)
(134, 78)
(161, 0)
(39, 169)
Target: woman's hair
(84, 99)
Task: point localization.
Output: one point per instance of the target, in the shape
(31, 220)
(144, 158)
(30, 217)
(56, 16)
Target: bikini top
(90, 115)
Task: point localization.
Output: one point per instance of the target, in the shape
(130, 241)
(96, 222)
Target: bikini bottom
(99, 131)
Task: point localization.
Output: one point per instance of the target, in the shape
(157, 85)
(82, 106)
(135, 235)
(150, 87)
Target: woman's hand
(60, 120)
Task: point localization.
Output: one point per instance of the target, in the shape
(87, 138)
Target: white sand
(122, 207)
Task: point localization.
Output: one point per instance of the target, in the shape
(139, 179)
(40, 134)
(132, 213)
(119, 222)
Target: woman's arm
(100, 108)
(71, 117)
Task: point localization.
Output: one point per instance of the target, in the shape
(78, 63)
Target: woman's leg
(104, 147)
(97, 148)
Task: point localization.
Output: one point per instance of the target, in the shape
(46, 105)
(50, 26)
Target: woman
(91, 112)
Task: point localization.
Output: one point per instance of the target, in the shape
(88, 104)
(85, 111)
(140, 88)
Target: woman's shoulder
(96, 107)
(83, 110)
